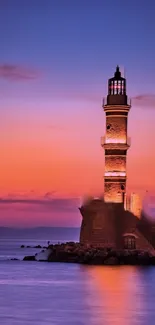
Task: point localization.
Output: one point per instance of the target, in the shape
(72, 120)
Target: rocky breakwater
(76, 253)
(37, 246)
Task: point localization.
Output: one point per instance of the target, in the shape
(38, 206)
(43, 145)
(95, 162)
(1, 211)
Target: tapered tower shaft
(116, 141)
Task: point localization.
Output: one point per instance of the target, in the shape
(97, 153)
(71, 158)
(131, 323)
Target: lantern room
(117, 89)
(117, 84)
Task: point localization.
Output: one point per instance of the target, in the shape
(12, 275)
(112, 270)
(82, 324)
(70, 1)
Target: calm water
(68, 294)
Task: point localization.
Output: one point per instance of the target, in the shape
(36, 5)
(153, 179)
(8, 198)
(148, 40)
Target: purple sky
(55, 59)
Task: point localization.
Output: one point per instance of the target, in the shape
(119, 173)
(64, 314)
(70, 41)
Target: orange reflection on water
(118, 297)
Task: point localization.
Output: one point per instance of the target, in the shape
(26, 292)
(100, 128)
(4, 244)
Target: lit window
(129, 242)
(115, 89)
(119, 89)
(122, 87)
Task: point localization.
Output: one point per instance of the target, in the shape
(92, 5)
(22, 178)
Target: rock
(43, 255)
(14, 259)
(29, 258)
(37, 246)
(152, 258)
(111, 261)
(71, 252)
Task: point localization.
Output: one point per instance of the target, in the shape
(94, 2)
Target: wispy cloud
(17, 73)
(46, 202)
(145, 100)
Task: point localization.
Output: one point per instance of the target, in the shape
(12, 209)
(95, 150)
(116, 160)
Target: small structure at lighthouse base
(109, 225)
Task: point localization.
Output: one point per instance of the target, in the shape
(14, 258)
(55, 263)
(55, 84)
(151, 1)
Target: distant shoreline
(49, 233)
(37, 228)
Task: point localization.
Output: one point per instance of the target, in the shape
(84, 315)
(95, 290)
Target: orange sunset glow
(66, 158)
(52, 85)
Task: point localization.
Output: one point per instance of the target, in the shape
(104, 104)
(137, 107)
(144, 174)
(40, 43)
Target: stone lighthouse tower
(116, 142)
(105, 222)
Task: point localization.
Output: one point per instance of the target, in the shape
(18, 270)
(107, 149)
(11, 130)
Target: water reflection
(72, 294)
(120, 295)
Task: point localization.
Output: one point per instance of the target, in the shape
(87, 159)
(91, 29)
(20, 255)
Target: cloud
(17, 73)
(46, 202)
(144, 100)
(48, 195)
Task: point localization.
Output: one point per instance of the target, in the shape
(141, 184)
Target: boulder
(71, 252)
(29, 258)
(111, 261)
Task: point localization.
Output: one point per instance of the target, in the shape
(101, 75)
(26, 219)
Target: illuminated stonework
(115, 141)
(133, 203)
(116, 174)
(116, 128)
(115, 163)
(112, 190)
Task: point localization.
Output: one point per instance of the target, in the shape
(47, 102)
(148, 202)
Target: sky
(55, 59)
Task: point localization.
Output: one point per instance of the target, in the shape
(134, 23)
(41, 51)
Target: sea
(42, 293)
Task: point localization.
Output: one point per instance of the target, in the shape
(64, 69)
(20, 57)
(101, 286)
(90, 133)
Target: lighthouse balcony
(116, 102)
(113, 143)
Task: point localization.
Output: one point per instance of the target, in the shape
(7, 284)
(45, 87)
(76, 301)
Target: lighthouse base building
(110, 225)
(106, 222)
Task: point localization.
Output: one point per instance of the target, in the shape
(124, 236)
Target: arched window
(129, 242)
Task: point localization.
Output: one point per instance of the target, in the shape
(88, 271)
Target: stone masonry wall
(142, 243)
(116, 128)
(115, 163)
(111, 191)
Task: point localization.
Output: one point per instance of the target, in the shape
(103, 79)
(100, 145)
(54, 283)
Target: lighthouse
(116, 142)
(105, 222)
